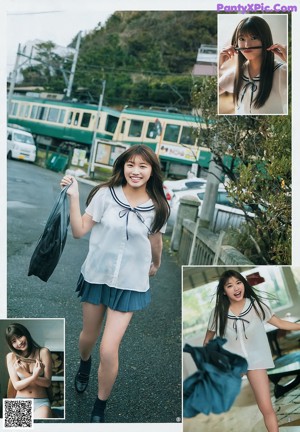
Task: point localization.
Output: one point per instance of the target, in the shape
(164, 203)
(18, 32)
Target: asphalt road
(148, 388)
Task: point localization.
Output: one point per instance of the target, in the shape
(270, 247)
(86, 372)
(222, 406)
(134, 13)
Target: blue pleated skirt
(114, 298)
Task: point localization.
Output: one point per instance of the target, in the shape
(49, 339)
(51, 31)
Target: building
(206, 62)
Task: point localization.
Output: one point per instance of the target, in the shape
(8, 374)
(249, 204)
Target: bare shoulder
(45, 352)
(10, 357)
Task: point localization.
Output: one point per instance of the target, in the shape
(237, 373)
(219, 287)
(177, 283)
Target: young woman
(30, 369)
(258, 82)
(238, 317)
(126, 216)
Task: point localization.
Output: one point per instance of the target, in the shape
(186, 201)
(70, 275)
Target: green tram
(171, 135)
(53, 122)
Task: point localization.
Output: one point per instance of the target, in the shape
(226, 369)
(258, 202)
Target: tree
(254, 152)
(47, 69)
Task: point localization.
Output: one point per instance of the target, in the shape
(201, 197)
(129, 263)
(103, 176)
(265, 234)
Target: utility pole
(72, 73)
(91, 167)
(13, 79)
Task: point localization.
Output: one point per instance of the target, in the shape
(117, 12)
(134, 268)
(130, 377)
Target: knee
(90, 336)
(108, 352)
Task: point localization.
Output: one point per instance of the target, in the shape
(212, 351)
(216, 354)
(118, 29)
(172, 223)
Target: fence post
(188, 209)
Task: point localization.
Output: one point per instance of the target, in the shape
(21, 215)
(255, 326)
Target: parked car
(173, 186)
(20, 144)
(226, 213)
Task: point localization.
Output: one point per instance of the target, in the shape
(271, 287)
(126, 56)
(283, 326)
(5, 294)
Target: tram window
(86, 117)
(171, 133)
(14, 109)
(45, 113)
(33, 112)
(62, 116)
(187, 136)
(53, 115)
(41, 113)
(10, 108)
(21, 111)
(76, 119)
(151, 131)
(70, 117)
(135, 129)
(26, 114)
(123, 126)
(111, 123)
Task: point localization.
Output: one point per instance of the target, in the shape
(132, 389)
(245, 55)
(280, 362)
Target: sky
(48, 20)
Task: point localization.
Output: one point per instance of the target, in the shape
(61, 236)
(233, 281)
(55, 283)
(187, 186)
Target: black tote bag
(52, 242)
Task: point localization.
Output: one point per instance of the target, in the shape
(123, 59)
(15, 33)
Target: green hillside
(145, 57)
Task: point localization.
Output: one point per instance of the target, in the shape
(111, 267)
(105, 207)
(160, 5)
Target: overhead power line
(34, 13)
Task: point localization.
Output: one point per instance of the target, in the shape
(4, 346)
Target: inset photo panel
(32, 380)
(241, 332)
(253, 64)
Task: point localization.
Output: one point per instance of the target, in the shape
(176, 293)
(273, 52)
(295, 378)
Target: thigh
(92, 317)
(115, 326)
(43, 412)
(259, 382)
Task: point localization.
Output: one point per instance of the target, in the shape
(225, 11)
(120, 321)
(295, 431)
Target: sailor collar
(241, 317)
(120, 198)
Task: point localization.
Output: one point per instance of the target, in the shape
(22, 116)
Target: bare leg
(92, 321)
(260, 385)
(115, 327)
(43, 412)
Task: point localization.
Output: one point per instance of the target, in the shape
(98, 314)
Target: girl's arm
(226, 54)
(283, 324)
(209, 336)
(45, 381)
(156, 250)
(14, 365)
(80, 225)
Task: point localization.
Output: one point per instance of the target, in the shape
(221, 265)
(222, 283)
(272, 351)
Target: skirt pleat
(114, 298)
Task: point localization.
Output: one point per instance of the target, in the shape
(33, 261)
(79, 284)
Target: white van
(20, 144)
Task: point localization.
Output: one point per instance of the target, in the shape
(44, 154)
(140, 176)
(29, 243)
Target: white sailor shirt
(119, 246)
(246, 335)
(277, 102)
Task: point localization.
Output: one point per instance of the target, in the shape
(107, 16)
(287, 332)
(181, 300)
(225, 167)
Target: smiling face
(234, 289)
(137, 172)
(19, 343)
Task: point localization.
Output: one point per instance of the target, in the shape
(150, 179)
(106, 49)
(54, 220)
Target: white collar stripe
(127, 206)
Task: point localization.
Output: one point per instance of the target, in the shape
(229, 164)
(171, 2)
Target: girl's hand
(19, 367)
(279, 50)
(73, 189)
(226, 54)
(153, 270)
(38, 367)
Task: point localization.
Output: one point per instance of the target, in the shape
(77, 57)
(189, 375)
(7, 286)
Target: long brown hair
(154, 184)
(255, 26)
(223, 303)
(19, 330)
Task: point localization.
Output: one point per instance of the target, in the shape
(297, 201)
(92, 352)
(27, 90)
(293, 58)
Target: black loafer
(97, 418)
(81, 382)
